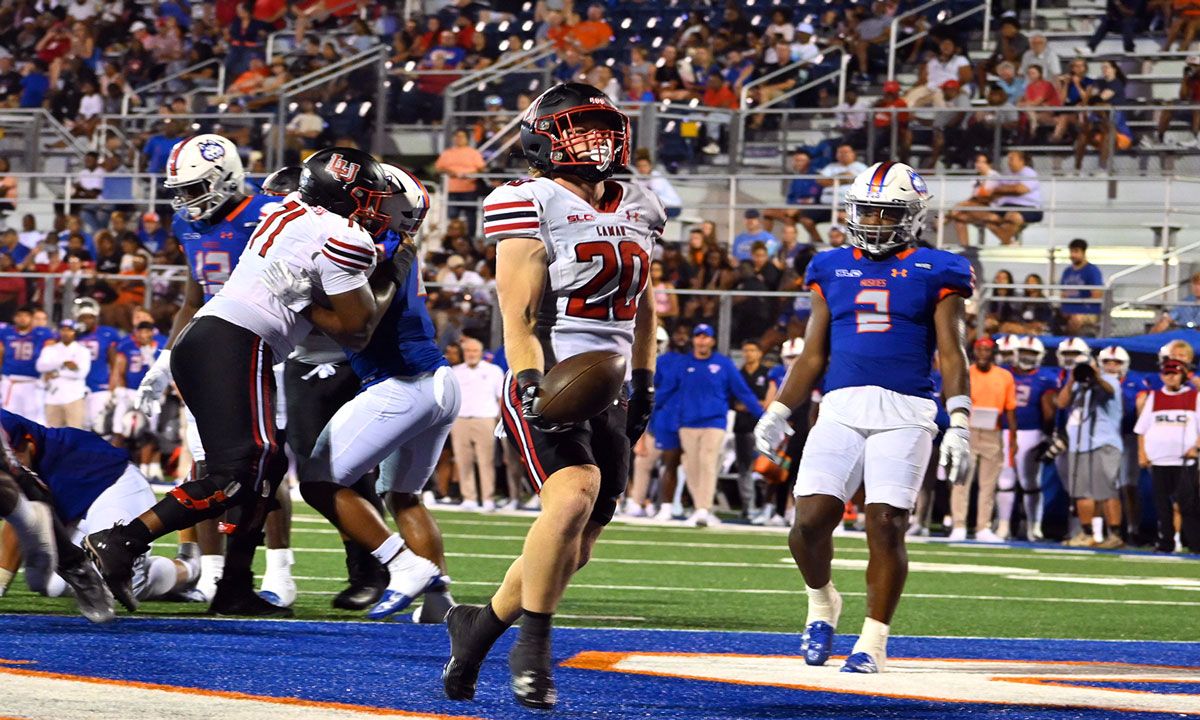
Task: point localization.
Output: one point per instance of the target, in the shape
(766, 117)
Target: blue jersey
(98, 342)
(881, 314)
(665, 417)
(777, 375)
(77, 465)
(21, 350)
(705, 387)
(403, 343)
(1031, 386)
(1134, 384)
(138, 359)
(213, 247)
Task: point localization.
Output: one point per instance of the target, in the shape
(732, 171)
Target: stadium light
(292, 106)
(410, 66)
(670, 127)
(364, 108)
(694, 102)
(408, 86)
(527, 44)
(678, 21)
(756, 20)
(657, 42)
(626, 23)
(503, 45)
(340, 108)
(503, 26)
(195, 126)
(480, 26)
(527, 25)
(652, 22)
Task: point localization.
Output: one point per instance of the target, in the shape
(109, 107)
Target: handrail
(743, 102)
(505, 64)
(925, 33)
(1166, 257)
(74, 142)
(813, 83)
(324, 74)
(501, 133)
(894, 45)
(135, 92)
(895, 26)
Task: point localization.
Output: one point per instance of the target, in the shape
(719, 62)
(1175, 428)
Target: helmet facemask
(370, 214)
(1068, 359)
(591, 141)
(199, 199)
(1028, 359)
(881, 228)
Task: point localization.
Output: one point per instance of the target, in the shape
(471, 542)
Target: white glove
(955, 459)
(154, 383)
(772, 429)
(292, 290)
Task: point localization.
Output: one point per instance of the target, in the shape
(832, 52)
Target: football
(580, 387)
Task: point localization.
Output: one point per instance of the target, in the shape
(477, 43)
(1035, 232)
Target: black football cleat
(235, 597)
(470, 642)
(532, 677)
(368, 579)
(114, 556)
(434, 606)
(91, 594)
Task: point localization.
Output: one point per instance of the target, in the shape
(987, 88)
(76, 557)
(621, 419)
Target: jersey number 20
(626, 262)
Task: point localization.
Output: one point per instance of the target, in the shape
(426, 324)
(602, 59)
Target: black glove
(641, 404)
(528, 382)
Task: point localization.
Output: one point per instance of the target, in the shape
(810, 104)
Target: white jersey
(598, 260)
(336, 254)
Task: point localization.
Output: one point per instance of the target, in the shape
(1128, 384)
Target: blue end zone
(398, 665)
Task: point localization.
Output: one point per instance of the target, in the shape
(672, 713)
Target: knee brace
(211, 494)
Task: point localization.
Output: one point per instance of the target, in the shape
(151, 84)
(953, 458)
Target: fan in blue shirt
(743, 244)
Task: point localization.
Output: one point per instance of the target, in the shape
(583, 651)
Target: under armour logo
(340, 169)
(899, 272)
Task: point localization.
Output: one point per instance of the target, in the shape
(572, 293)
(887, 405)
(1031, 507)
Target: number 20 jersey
(213, 246)
(881, 330)
(598, 259)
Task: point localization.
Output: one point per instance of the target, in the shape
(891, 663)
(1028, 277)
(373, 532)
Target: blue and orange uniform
(21, 350)
(99, 341)
(1031, 386)
(138, 359)
(213, 246)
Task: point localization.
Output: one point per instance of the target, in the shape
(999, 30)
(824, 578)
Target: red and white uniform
(598, 260)
(336, 254)
(1168, 421)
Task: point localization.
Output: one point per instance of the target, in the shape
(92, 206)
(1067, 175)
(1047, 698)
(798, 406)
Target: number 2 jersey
(881, 334)
(213, 246)
(598, 259)
(334, 253)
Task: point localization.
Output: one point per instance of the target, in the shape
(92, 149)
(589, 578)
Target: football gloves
(154, 383)
(772, 429)
(641, 404)
(954, 461)
(292, 291)
(528, 382)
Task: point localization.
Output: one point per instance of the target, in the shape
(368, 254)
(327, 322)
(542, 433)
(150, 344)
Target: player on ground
(102, 341)
(324, 231)
(571, 272)
(214, 219)
(879, 311)
(399, 421)
(1036, 386)
(20, 387)
(93, 485)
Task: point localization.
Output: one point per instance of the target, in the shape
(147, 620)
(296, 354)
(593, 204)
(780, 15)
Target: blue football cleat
(817, 642)
(271, 598)
(860, 662)
(390, 603)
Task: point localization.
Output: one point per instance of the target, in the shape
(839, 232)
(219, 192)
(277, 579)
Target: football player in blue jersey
(399, 420)
(102, 341)
(20, 345)
(135, 354)
(880, 308)
(1036, 386)
(214, 219)
(664, 421)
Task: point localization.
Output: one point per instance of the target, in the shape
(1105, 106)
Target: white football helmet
(408, 204)
(662, 338)
(1114, 353)
(792, 350)
(203, 171)
(1070, 352)
(1030, 353)
(885, 208)
(86, 306)
(1006, 350)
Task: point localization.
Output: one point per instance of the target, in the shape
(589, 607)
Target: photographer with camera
(1094, 454)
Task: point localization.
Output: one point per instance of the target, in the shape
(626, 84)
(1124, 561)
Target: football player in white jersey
(222, 363)
(571, 275)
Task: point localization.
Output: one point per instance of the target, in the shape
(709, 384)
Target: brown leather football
(582, 386)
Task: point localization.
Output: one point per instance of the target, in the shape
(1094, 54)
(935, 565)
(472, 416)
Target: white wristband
(779, 409)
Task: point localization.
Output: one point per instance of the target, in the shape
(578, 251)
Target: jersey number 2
(877, 320)
(628, 263)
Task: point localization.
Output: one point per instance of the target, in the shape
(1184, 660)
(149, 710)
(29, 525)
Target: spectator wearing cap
(841, 172)
(993, 395)
(152, 235)
(1080, 315)
(743, 243)
(1186, 315)
(887, 121)
(1189, 94)
(64, 366)
(1167, 444)
(457, 278)
(460, 161)
(710, 382)
(947, 65)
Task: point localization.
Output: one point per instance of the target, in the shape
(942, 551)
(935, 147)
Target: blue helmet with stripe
(885, 208)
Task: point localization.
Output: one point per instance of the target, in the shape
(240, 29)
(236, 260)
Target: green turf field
(731, 578)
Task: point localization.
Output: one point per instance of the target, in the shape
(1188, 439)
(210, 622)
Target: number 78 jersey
(881, 330)
(598, 259)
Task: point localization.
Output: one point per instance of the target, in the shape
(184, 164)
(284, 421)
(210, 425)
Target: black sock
(493, 626)
(137, 531)
(535, 628)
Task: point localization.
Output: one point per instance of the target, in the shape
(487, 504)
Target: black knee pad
(211, 494)
(320, 496)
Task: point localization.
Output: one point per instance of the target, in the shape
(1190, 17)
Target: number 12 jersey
(598, 258)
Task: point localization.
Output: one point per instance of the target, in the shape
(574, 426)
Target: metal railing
(893, 45)
(139, 91)
(534, 59)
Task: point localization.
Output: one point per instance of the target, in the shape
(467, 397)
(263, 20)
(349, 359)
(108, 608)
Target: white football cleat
(987, 536)
(958, 534)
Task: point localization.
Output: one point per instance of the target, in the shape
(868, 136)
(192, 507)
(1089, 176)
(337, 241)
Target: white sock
(389, 549)
(1005, 500)
(873, 640)
(212, 566)
(279, 561)
(144, 469)
(821, 604)
(22, 516)
(55, 586)
(161, 575)
(155, 470)
(1098, 529)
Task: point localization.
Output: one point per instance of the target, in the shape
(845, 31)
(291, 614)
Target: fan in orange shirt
(592, 34)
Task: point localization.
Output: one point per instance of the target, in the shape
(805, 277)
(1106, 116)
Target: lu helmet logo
(340, 169)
